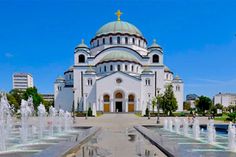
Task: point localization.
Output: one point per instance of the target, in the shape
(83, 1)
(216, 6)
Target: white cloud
(8, 55)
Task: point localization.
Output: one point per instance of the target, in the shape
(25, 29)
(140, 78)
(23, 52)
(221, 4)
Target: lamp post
(158, 106)
(73, 107)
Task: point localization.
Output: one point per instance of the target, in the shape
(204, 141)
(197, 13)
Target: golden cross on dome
(118, 14)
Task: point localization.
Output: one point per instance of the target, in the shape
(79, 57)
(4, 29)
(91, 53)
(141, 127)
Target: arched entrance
(131, 103)
(119, 101)
(106, 105)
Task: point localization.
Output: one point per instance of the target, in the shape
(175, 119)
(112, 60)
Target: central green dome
(119, 55)
(118, 27)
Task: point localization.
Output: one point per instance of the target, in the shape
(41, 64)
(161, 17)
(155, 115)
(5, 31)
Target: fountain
(170, 124)
(196, 129)
(177, 125)
(41, 114)
(185, 127)
(52, 113)
(231, 137)
(211, 132)
(25, 112)
(60, 120)
(165, 124)
(67, 119)
(5, 122)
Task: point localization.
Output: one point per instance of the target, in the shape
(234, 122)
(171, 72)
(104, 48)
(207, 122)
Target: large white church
(118, 72)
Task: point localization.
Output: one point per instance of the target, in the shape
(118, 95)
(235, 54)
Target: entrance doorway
(119, 106)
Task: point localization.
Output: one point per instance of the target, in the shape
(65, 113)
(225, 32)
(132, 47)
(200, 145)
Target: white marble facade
(117, 72)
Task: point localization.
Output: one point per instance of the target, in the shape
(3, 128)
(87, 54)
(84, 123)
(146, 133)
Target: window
(133, 41)
(103, 40)
(139, 42)
(119, 95)
(119, 80)
(137, 69)
(106, 98)
(118, 67)
(126, 40)
(81, 58)
(100, 69)
(110, 40)
(126, 67)
(111, 68)
(177, 88)
(90, 82)
(131, 98)
(132, 68)
(118, 40)
(155, 59)
(148, 82)
(70, 77)
(97, 42)
(105, 69)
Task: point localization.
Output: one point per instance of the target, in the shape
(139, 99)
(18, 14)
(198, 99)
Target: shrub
(147, 112)
(232, 116)
(90, 112)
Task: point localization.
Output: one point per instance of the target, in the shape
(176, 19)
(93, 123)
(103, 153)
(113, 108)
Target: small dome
(166, 69)
(60, 79)
(177, 79)
(154, 44)
(119, 55)
(82, 44)
(146, 70)
(118, 27)
(90, 70)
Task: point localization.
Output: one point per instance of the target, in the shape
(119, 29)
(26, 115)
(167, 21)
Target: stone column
(126, 103)
(112, 105)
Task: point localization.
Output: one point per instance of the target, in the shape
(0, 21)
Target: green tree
(168, 101)
(154, 103)
(37, 98)
(12, 101)
(187, 106)
(203, 103)
(17, 94)
(47, 104)
(219, 106)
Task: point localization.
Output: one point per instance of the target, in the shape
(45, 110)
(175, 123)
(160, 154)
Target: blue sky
(198, 37)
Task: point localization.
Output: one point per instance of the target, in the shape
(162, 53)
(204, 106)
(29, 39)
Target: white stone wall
(225, 99)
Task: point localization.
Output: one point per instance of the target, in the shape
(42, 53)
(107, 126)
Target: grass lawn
(222, 118)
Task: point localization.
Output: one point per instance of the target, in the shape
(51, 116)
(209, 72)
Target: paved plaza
(118, 137)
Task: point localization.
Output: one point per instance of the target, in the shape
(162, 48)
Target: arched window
(133, 41)
(177, 88)
(105, 69)
(155, 59)
(118, 40)
(97, 42)
(118, 95)
(126, 40)
(111, 68)
(100, 69)
(106, 98)
(132, 68)
(110, 40)
(139, 42)
(81, 58)
(131, 98)
(103, 40)
(126, 67)
(118, 67)
(90, 82)
(148, 82)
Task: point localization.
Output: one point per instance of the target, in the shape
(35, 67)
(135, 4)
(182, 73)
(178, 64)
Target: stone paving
(118, 138)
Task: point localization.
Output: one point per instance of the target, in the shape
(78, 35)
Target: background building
(191, 99)
(48, 97)
(225, 99)
(117, 72)
(22, 81)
